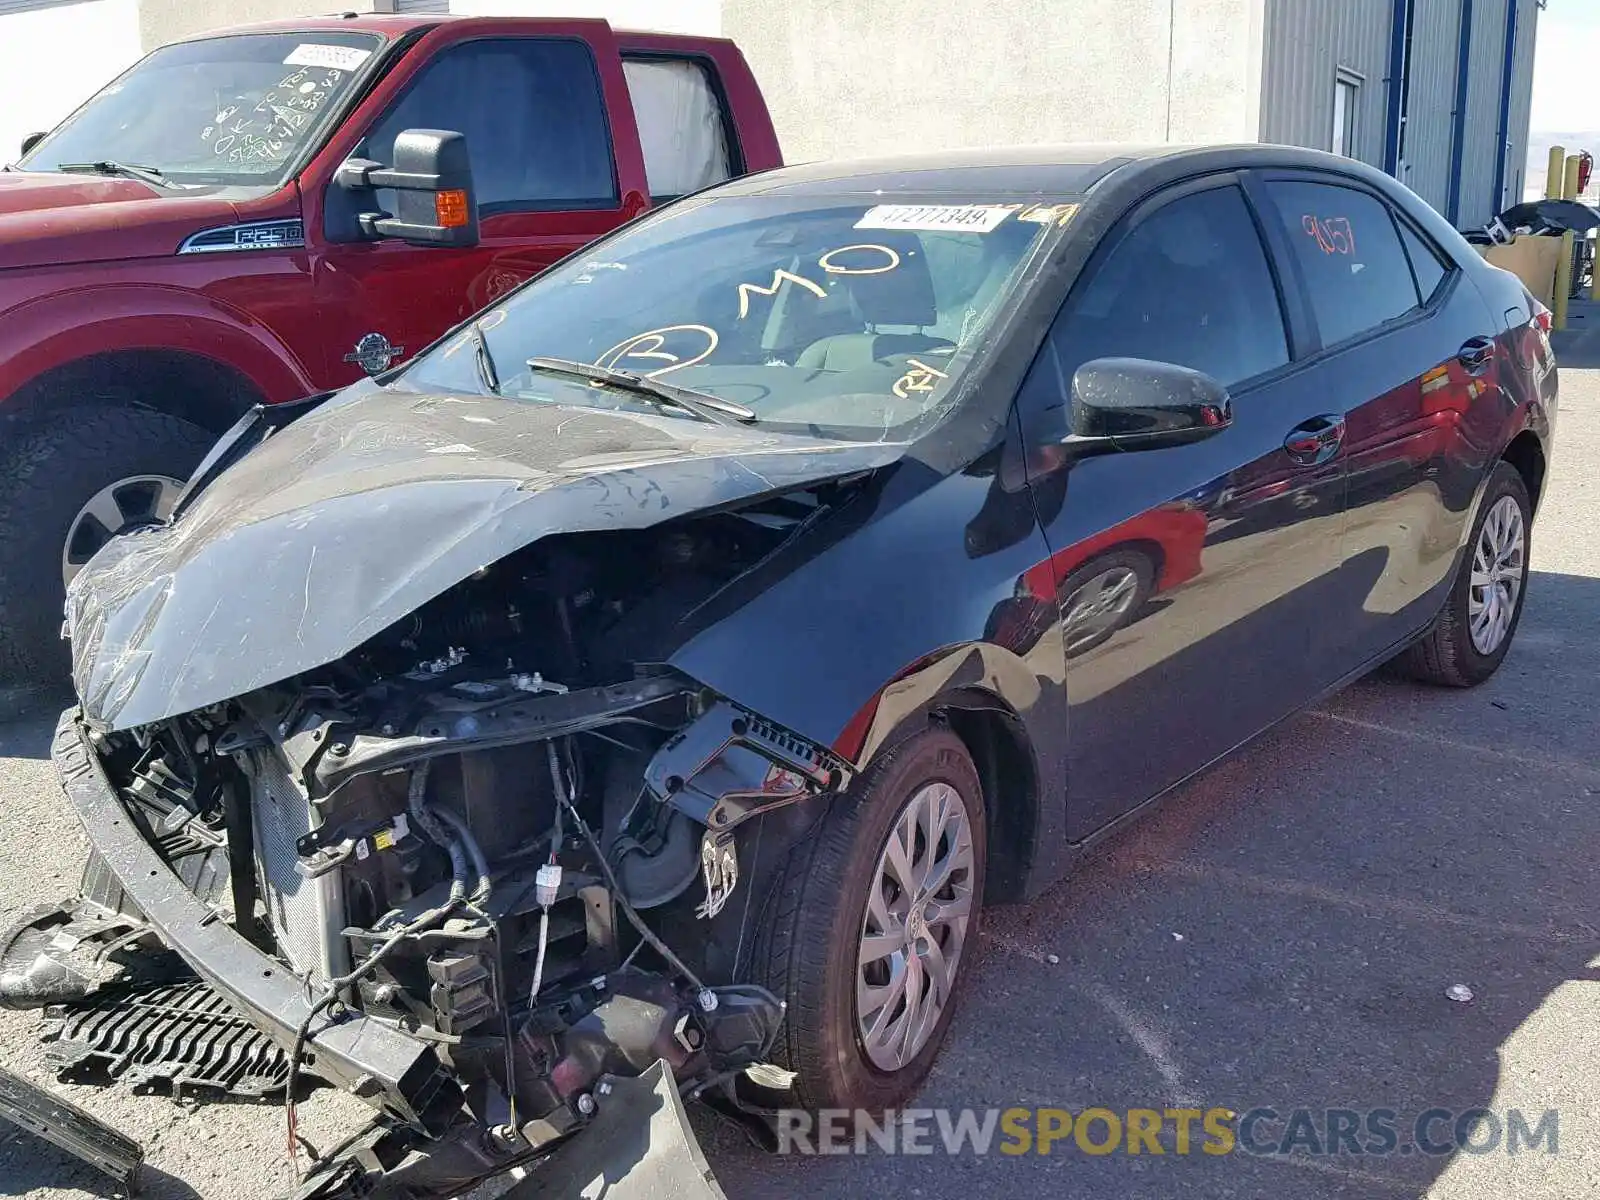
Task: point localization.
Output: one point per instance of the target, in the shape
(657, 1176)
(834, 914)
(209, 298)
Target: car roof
(1063, 170)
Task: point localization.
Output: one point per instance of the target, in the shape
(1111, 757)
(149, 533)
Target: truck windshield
(228, 110)
(837, 315)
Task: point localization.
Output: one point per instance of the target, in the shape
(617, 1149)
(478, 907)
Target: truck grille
(306, 915)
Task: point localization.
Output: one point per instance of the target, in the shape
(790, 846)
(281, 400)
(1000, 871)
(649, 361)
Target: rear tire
(1448, 654)
(46, 477)
(812, 950)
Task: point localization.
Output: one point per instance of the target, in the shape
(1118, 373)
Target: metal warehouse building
(1434, 91)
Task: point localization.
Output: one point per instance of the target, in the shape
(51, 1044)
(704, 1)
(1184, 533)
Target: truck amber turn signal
(450, 206)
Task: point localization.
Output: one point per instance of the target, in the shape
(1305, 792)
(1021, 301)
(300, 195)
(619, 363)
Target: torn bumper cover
(375, 1061)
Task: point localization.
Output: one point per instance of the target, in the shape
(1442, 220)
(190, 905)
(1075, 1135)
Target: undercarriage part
(183, 1036)
(74, 949)
(68, 1126)
(637, 1146)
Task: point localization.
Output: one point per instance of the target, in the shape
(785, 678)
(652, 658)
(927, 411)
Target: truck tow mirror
(32, 140)
(432, 180)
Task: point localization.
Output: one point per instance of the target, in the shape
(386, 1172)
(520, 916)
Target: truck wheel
(874, 923)
(65, 489)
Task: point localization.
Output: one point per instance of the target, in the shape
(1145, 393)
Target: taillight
(1542, 317)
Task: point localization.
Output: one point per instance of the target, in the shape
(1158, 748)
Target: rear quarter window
(1426, 264)
(683, 131)
(1350, 256)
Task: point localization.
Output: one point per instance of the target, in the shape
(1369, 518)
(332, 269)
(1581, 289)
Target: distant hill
(1539, 156)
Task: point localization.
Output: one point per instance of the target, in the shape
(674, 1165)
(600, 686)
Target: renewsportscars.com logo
(1263, 1130)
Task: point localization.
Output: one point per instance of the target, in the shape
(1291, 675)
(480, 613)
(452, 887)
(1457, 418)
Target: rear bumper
(383, 1065)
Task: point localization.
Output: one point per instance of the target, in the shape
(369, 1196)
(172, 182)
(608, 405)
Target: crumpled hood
(368, 507)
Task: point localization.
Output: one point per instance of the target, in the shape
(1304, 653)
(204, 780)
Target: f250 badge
(374, 353)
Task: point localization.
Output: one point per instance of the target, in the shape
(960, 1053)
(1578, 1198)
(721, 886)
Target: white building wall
(855, 77)
(702, 17)
(53, 59)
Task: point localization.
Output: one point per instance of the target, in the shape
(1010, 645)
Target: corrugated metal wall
(1430, 124)
(1305, 42)
(1521, 108)
(1482, 149)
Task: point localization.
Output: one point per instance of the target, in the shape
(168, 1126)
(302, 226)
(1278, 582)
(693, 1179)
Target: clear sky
(1566, 66)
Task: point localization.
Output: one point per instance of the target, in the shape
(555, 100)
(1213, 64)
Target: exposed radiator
(306, 915)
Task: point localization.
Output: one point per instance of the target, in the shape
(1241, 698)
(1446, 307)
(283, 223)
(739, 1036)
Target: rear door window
(683, 130)
(533, 116)
(1355, 270)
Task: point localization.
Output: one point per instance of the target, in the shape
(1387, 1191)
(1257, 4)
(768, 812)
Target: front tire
(1472, 634)
(53, 481)
(873, 922)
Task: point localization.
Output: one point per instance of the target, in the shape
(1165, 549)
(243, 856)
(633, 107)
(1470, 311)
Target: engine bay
(472, 827)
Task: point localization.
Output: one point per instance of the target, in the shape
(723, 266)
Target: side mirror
(432, 181)
(1136, 404)
(32, 140)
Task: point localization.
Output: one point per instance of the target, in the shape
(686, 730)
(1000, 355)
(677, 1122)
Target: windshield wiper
(702, 404)
(486, 371)
(108, 166)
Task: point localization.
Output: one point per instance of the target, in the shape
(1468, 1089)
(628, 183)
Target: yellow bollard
(1563, 287)
(1563, 296)
(1555, 173)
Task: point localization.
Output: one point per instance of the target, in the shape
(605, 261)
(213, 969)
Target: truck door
(555, 160)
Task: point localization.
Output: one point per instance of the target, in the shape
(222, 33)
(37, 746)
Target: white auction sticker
(339, 58)
(956, 218)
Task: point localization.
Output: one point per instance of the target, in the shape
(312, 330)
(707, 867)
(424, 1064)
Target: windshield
(227, 110)
(834, 315)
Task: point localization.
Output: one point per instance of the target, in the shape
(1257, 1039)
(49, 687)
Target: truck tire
(831, 921)
(47, 477)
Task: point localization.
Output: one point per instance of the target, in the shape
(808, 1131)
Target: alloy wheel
(918, 912)
(1495, 588)
(116, 508)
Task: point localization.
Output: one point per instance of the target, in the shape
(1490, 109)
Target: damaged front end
(495, 869)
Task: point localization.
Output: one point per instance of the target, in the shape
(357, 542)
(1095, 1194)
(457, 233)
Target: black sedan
(669, 663)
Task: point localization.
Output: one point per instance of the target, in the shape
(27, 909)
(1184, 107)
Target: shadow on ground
(1283, 933)
(29, 1164)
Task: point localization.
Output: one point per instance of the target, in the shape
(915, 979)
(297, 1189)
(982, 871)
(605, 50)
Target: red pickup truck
(265, 213)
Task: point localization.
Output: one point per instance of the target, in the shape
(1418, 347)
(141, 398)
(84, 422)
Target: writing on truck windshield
(829, 314)
(228, 110)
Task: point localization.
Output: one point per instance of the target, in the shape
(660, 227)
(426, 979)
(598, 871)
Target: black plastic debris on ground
(178, 1036)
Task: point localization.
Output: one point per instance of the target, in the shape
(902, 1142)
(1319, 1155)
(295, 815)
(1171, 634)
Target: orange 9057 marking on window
(1333, 235)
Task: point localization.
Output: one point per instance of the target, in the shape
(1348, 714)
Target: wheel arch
(1526, 453)
(193, 387)
(998, 743)
(1013, 723)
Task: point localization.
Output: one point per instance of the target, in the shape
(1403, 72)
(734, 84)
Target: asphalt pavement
(1283, 933)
